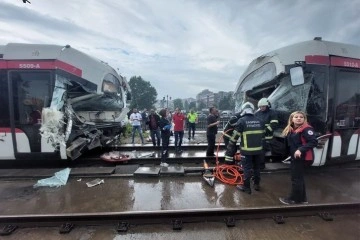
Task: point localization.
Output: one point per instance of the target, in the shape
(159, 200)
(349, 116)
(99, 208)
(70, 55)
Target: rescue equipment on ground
(208, 175)
(229, 174)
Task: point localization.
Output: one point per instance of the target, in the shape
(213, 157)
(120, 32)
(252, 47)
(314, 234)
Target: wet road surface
(169, 193)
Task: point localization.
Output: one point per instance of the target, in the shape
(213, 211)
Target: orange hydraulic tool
(208, 175)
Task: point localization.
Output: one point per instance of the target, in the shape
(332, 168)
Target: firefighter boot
(256, 184)
(245, 187)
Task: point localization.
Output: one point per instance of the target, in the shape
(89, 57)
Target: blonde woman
(301, 140)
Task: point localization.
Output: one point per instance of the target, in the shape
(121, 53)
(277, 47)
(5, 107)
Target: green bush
(128, 132)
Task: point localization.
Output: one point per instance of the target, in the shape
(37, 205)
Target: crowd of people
(255, 130)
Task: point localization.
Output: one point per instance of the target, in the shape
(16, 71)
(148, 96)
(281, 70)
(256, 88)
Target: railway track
(122, 221)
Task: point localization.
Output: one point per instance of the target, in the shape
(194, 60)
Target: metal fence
(202, 124)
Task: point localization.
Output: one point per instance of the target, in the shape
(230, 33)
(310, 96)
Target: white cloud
(180, 46)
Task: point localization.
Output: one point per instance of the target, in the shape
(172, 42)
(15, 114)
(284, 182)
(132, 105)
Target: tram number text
(29, 65)
(351, 64)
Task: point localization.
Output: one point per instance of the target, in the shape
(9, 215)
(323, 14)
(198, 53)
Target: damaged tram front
(318, 77)
(57, 102)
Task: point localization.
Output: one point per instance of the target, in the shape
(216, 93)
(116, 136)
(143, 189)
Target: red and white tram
(57, 102)
(318, 77)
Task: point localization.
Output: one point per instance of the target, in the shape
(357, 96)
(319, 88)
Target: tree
(227, 102)
(192, 105)
(143, 94)
(201, 105)
(178, 103)
(186, 106)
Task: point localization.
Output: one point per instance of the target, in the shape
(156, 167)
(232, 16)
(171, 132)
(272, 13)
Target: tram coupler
(208, 176)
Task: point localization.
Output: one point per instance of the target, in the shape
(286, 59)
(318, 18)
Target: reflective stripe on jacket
(270, 120)
(251, 131)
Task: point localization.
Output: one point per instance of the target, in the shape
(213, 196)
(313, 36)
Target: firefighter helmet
(247, 108)
(264, 102)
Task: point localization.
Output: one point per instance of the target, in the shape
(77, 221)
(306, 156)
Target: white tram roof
(290, 54)
(92, 69)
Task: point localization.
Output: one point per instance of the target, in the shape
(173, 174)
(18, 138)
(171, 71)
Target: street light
(207, 101)
(167, 100)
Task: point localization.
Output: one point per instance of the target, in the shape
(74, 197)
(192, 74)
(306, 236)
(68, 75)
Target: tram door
(30, 92)
(347, 113)
(6, 143)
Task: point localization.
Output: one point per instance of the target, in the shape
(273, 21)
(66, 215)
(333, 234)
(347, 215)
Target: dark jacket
(251, 130)
(156, 119)
(270, 119)
(230, 125)
(213, 129)
(164, 131)
(303, 139)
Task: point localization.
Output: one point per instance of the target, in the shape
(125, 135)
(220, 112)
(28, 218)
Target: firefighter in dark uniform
(229, 128)
(251, 131)
(270, 119)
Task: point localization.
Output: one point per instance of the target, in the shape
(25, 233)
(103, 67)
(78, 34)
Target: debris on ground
(95, 182)
(59, 179)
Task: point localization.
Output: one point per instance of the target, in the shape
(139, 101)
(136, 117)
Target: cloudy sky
(180, 46)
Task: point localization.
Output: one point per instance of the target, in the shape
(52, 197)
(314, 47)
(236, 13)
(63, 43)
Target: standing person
(300, 141)
(153, 122)
(169, 118)
(179, 123)
(251, 131)
(165, 127)
(211, 131)
(192, 118)
(144, 116)
(270, 119)
(135, 120)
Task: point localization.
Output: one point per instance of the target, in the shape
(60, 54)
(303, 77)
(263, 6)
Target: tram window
(31, 94)
(347, 99)
(4, 101)
(316, 102)
(260, 76)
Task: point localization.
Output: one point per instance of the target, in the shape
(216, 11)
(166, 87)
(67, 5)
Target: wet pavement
(169, 193)
(121, 194)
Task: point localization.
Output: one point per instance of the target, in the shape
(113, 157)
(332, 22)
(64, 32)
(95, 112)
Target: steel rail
(178, 217)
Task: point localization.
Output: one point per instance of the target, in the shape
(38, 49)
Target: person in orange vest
(300, 141)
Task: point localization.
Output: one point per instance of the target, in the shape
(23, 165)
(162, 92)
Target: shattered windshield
(290, 98)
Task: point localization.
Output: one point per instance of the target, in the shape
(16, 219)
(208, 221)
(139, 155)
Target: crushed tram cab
(318, 77)
(57, 102)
